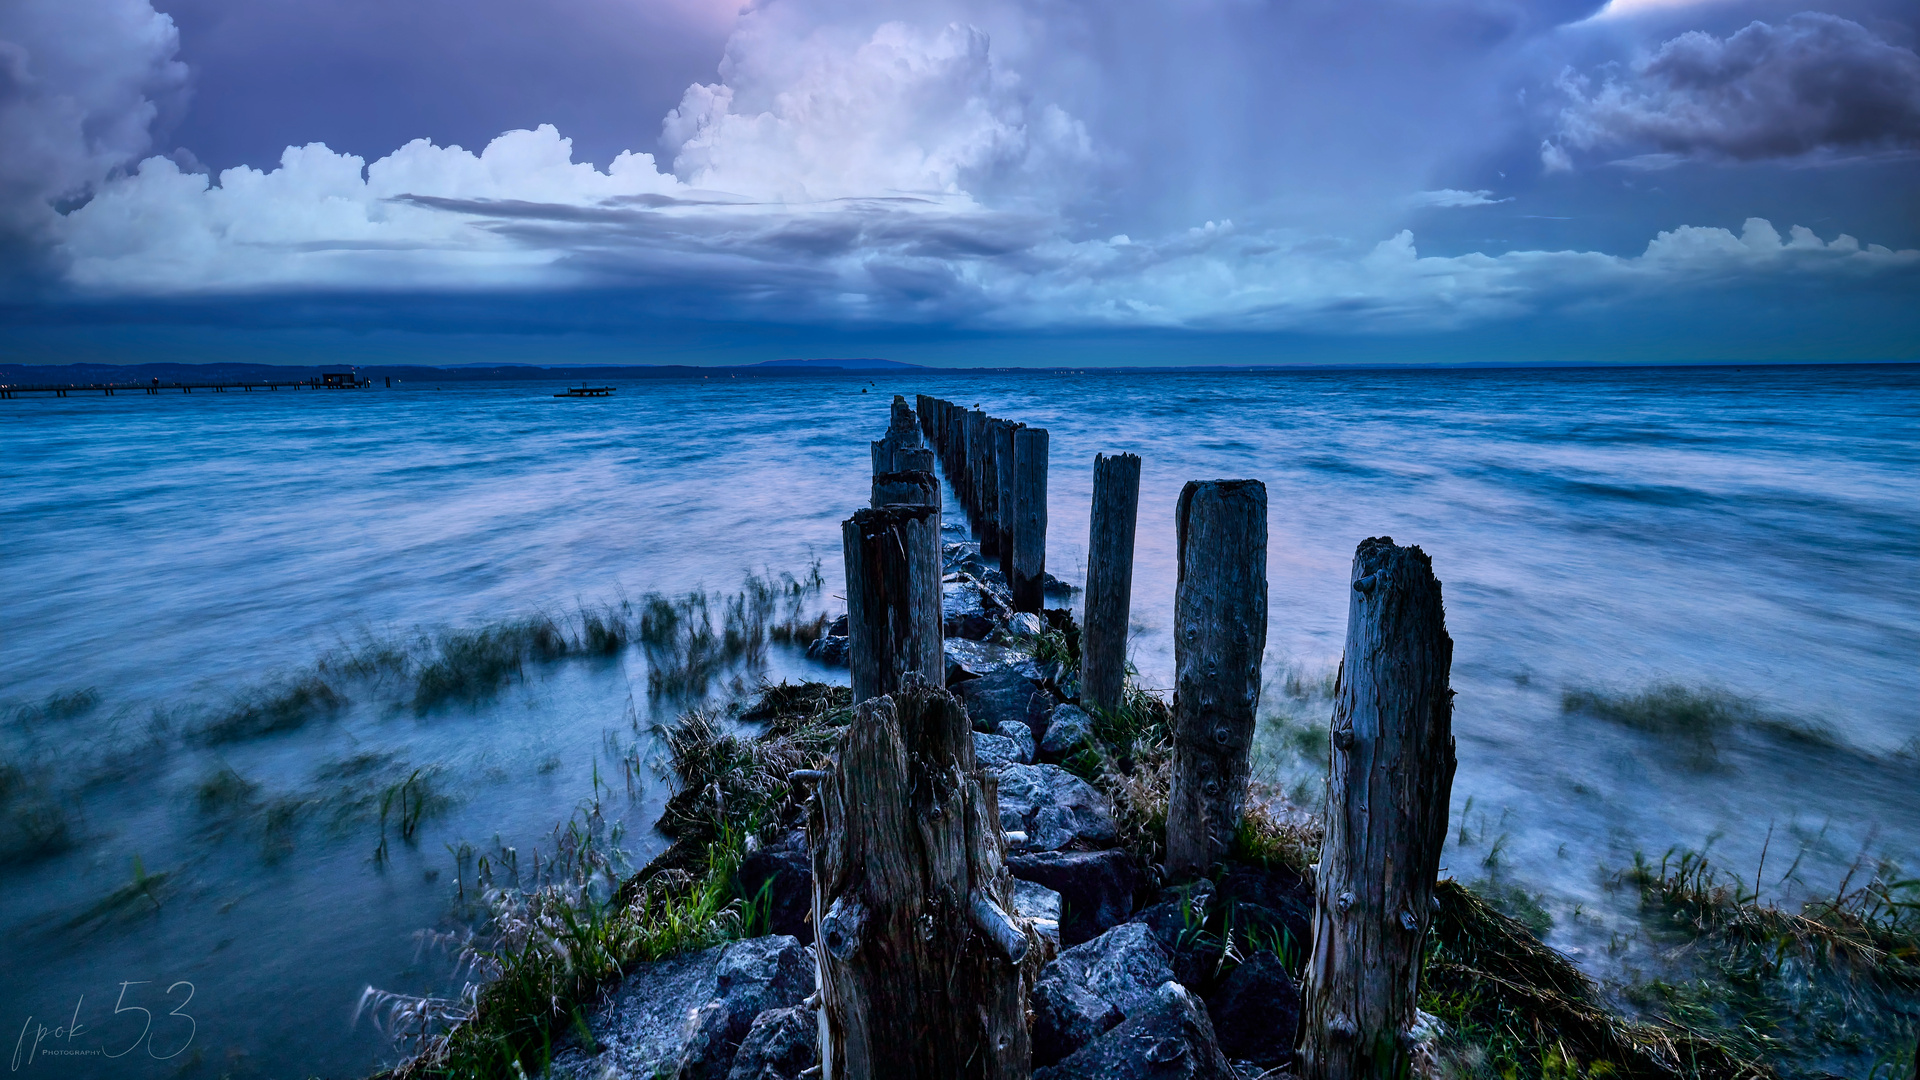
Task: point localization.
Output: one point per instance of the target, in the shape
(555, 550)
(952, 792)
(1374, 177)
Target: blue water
(1752, 533)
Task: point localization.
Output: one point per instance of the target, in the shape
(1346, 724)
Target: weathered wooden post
(989, 489)
(976, 465)
(1387, 793)
(1009, 497)
(1219, 636)
(909, 487)
(919, 958)
(893, 597)
(1028, 582)
(1103, 642)
(902, 437)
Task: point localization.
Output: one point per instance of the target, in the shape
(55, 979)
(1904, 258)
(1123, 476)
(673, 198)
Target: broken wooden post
(919, 955)
(906, 488)
(1219, 635)
(1009, 498)
(1387, 797)
(1103, 642)
(1028, 583)
(893, 597)
(902, 437)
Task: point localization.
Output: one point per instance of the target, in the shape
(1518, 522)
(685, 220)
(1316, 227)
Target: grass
(553, 933)
(276, 709)
(1696, 719)
(1821, 989)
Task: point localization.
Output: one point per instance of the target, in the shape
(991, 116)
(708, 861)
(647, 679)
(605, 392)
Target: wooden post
(1387, 793)
(919, 956)
(976, 465)
(1029, 519)
(1103, 644)
(902, 437)
(1219, 635)
(893, 597)
(1009, 496)
(906, 488)
(990, 488)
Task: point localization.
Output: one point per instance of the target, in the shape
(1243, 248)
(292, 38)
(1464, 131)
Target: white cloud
(1449, 197)
(896, 176)
(81, 85)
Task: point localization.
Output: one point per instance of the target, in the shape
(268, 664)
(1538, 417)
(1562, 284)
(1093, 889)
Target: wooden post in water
(1103, 644)
(893, 597)
(1028, 583)
(1219, 636)
(909, 487)
(1387, 795)
(902, 437)
(1009, 495)
(989, 491)
(976, 467)
(919, 956)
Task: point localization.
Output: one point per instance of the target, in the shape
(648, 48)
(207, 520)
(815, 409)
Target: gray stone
(1094, 986)
(829, 649)
(993, 751)
(783, 875)
(1003, 695)
(684, 1016)
(968, 660)
(753, 976)
(966, 609)
(1096, 887)
(1025, 625)
(1170, 1038)
(782, 1044)
(1068, 729)
(1256, 1011)
(1039, 904)
(1054, 808)
(1022, 737)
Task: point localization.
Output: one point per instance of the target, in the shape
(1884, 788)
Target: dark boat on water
(583, 390)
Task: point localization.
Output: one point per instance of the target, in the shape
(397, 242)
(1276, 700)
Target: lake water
(1750, 537)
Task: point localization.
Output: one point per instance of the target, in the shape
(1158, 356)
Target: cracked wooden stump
(920, 957)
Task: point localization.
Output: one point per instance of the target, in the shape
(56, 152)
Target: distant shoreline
(787, 369)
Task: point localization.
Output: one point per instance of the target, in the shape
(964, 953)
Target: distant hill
(830, 364)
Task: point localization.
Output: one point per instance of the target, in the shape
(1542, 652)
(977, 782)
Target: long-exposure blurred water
(1748, 539)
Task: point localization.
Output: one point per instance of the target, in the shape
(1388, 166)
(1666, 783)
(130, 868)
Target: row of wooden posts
(923, 970)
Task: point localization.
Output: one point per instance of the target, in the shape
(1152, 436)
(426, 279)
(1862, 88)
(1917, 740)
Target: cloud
(883, 174)
(1449, 197)
(81, 84)
(1816, 87)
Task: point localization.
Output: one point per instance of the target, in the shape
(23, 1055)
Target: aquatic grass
(224, 792)
(36, 822)
(139, 897)
(1816, 990)
(1513, 1007)
(1698, 719)
(278, 708)
(468, 666)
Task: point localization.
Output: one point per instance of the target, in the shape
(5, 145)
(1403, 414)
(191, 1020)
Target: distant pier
(320, 382)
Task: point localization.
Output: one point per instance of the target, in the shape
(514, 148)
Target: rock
(1256, 1011)
(1169, 1038)
(752, 977)
(829, 649)
(1003, 695)
(1096, 887)
(1039, 904)
(1092, 987)
(1272, 906)
(839, 627)
(786, 874)
(642, 1028)
(993, 751)
(968, 660)
(1054, 588)
(1054, 808)
(782, 1044)
(1068, 729)
(1025, 625)
(1022, 737)
(965, 609)
(1178, 920)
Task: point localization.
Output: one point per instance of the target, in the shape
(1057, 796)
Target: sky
(960, 182)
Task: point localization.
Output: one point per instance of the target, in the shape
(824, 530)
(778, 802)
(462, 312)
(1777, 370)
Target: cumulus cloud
(1815, 87)
(81, 84)
(902, 174)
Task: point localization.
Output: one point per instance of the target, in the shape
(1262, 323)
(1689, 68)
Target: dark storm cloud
(1814, 86)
